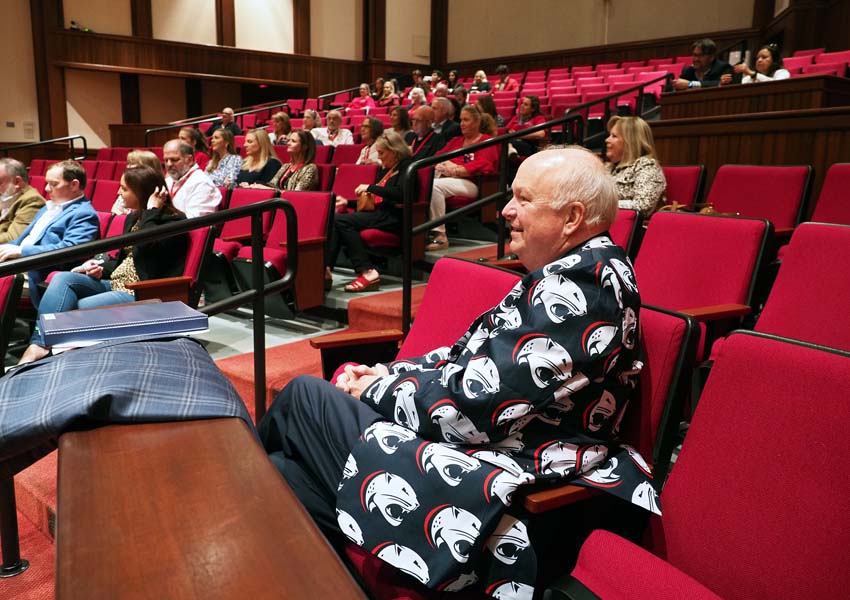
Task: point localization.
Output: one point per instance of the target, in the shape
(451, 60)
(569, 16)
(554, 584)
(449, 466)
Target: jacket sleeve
(515, 360)
(24, 215)
(83, 226)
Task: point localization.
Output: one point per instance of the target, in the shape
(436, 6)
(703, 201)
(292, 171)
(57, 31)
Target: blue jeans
(69, 291)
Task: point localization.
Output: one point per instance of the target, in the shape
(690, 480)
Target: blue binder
(120, 321)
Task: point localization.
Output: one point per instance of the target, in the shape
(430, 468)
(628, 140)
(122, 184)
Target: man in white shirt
(333, 134)
(192, 191)
(67, 219)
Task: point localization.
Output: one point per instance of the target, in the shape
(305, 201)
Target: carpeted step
(35, 493)
(381, 311)
(37, 582)
(482, 252)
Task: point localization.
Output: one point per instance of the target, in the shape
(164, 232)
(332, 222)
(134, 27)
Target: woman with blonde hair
(261, 163)
(311, 120)
(389, 97)
(225, 163)
(395, 155)
(281, 127)
(630, 154)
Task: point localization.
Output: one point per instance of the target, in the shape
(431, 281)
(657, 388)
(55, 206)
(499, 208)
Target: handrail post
(259, 316)
(407, 249)
(503, 186)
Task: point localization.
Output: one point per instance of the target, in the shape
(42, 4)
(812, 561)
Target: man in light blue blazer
(67, 219)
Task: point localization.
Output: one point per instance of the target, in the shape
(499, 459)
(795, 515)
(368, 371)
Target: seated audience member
(260, 164)
(452, 80)
(103, 281)
(378, 88)
(19, 201)
(444, 122)
(707, 70)
(441, 90)
(480, 83)
(506, 82)
(400, 122)
(426, 141)
(300, 174)
(281, 126)
(196, 139)
(66, 219)
(436, 77)
(334, 134)
(768, 66)
(395, 155)
(311, 120)
(364, 100)
(528, 115)
(630, 151)
(418, 82)
(225, 122)
(192, 191)
(370, 130)
(520, 397)
(138, 158)
(453, 177)
(389, 98)
(417, 99)
(486, 105)
(461, 95)
(225, 163)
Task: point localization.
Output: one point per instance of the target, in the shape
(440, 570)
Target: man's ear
(574, 217)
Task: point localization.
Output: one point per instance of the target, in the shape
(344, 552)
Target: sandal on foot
(361, 284)
(437, 244)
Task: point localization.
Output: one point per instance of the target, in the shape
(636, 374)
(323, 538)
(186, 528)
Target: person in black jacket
(395, 156)
(103, 280)
(707, 70)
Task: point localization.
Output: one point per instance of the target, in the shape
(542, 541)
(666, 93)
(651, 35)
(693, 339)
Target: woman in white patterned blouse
(224, 164)
(630, 152)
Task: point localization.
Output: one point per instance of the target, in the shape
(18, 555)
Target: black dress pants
(346, 233)
(309, 432)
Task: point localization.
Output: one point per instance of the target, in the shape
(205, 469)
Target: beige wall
(162, 99)
(492, 28)
(409, 31)
(336, 29)
(93, 102)
(101, 16)
(191, 21)
(18, 104)
(264, 25)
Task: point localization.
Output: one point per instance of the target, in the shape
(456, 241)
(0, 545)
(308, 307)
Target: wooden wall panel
(819, 137)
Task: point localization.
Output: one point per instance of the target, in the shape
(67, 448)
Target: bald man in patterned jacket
(417, 461)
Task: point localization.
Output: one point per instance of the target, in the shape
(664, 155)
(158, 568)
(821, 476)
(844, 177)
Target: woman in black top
(389, 202)
(261, 163)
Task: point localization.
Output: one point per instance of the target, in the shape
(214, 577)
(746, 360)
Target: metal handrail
(333, 94)
(68, 138)
(205, 119)
(256, 294)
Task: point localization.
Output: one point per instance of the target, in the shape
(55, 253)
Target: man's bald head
(422, 119)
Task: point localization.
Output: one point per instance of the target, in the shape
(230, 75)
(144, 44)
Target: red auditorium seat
(838, 69)
(323, 154)
(104, 154)
(326, 177)
(349, 176)
(813, 52)
(627, 64)
(684, 184)
(105, 170)
(38, 166)
(38, 182)
(234, 232)
(624, 230)
(282, 152)
(653, 62)
(833, 204)
(296, 106)
(833, 57)
(90, 167)
(105, 194)
(775, 193)
(314, 212)
(743, 481)
(120, 153)
(796, 62)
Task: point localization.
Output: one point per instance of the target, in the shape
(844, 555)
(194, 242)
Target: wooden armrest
(513, 265)
(235, 238)
(354, 338)
(714, 313)
(783, 232)
(166, 289)
(190, 509)
(556, 497)
(307, 243)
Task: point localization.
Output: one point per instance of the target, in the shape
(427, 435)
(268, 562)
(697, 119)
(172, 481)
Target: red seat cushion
(228, 249)
(615, 569)
(379, 238)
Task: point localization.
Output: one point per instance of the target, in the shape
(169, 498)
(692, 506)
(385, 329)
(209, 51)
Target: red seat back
(688, 260)
(105, 194)
(774, 193)
(313, 211)
(105, 218)
(684, 184)
(90, 167)
(745, 478)
(834, 202)
(104, 154)
(624, 228)
(326, 177)
(241, 227)
(346, 154)
(282, 152)
(106, 170)
(200, 241)
(472, 287)
(833, 57)
(809, 299)
(349, 177)
(323, 154)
